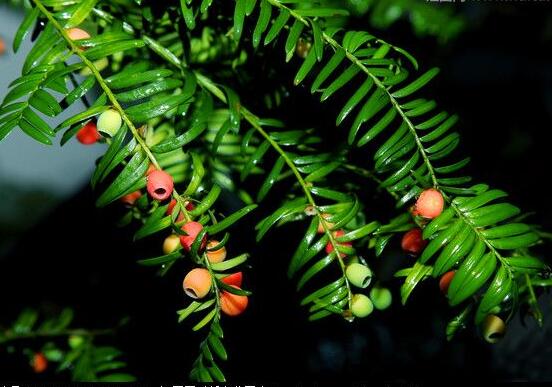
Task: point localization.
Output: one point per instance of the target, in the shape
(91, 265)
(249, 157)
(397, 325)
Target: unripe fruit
(77, 34)
(330, 248)
(39, 363)
(215, 256)
(232, 304)
(192, 229)
(88, 134)
(430, 203)
(75, 341)
(109, 122)
(445, 281)
(413, 242)
(131, 198)
(302, 48)
(493, 328)
(197, 283)
(381, 298)
(359, 275)
(171, 244)
(361, 305)
(235, 279)
(329, 225)
(160, 185)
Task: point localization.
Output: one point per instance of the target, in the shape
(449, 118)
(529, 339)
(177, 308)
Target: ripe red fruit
(412, 241)
(232, 304)
(88, 134)
(445, 281)
(180, 217)
(131, 198)
(192, 229)
(235, 279)
(197, 283)
(330, 248)
(160, 185)
(430, 204)
(2, 47)
(39, 363)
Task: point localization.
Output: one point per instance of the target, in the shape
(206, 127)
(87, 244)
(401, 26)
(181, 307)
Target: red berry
(131, 198)
(172, 204)
(88, 134)
(160, 185)
(192, 229)
(2, 47)
(233, 279)
(39, 363)
(430, 204)
(232, 304)
(412, 241)
(330, 248)
(445, 281)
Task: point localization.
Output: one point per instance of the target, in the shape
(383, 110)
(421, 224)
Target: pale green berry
(109, 122)
(381, 298)
(75, 341)
(359, 275)
(361, 305)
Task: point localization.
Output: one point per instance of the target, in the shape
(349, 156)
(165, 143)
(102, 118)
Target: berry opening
(190, 292)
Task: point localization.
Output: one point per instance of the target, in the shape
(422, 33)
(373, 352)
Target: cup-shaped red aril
(160, 185)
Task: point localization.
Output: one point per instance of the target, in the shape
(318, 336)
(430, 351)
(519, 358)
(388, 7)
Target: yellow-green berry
(109, 122)
(359, 275)
(361, 305)
(381, 298)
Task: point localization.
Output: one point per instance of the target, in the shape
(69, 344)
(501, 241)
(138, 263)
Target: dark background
(497, 75)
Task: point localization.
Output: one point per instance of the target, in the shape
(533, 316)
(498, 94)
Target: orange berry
(2, 46)
(131, 198)
(192, 229)
(430, 203)
(197, 283)
(76, 34)
(232, 304)
(330, 248)
(233, 279)
(412, 241)
(39, 363)
(215, 256)
(329, 225)
(171, 244)
(445, 281)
